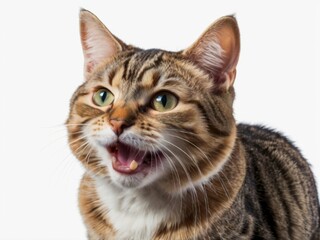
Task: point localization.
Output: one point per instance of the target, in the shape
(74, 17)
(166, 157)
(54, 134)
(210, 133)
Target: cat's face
(147, 117)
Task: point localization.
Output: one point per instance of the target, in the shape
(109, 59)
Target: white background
(41, 65)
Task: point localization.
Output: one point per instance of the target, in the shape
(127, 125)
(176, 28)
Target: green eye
(103, 97)
(164, 101)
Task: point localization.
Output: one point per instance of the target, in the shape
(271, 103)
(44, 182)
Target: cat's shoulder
(260, 136)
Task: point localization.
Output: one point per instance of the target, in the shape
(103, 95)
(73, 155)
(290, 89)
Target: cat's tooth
(133, 165)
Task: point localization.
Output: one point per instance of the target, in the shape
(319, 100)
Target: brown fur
(224, 181)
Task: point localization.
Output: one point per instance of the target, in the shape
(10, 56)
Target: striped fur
(207, 177)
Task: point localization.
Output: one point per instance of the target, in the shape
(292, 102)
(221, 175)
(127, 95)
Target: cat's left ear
(98, 43)
(217, 52)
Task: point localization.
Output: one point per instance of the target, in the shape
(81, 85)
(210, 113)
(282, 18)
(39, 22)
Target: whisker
(191, 143)
(222, 184)
(80, 138)
(86, 159)
(182, 165)
(190, 157)
(219, 178)
(175, 170)
(194, 161)
(181, 131)
(194, 194)
(64, 125)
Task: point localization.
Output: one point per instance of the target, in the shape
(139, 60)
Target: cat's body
(164, 157)
(273, 202)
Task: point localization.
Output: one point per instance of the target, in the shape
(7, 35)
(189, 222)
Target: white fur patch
(136, 214)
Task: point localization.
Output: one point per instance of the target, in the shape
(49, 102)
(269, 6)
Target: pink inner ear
(217, 52)
(98, 43)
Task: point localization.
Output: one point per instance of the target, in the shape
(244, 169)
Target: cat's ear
(217, 52)
(98, 43)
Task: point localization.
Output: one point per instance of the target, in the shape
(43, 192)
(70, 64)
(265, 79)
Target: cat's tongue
(126, 154)
(127, 158)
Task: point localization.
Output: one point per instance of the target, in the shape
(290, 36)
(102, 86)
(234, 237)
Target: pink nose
(118, 125)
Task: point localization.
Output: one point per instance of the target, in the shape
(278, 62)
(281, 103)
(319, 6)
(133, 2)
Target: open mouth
(127, 159)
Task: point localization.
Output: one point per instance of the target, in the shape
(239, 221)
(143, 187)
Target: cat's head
(147, 117)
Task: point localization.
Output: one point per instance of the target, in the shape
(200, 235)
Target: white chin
(127, 181)
(138, 180)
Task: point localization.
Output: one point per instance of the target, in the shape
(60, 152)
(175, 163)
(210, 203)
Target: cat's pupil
(103, 95)
(162, 99)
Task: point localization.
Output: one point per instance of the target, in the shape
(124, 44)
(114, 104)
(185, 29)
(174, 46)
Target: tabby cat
(164, 158)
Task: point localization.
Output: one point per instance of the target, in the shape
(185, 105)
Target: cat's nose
(118, 125)
(122, 116)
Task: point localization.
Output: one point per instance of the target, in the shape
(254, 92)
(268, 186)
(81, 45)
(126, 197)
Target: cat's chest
(134, 215)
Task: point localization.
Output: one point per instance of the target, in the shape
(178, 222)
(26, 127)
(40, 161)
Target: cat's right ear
(98, 43)
(217, 52)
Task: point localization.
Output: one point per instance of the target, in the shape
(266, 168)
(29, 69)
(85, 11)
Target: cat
(163, 155)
